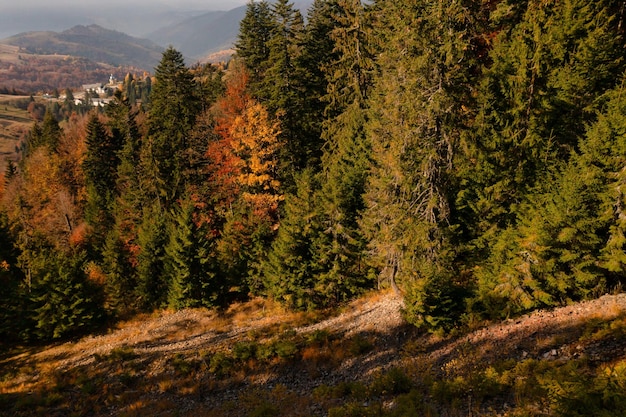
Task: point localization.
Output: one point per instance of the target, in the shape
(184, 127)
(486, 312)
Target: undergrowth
(126, 382)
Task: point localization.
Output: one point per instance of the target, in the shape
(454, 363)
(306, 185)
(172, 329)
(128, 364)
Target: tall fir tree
(252, 45)
(289, 273)
(191, 269)
(415, 124)
(152, 238)
(339, 249)
(174, 108)
(100, 168)
(316, 55)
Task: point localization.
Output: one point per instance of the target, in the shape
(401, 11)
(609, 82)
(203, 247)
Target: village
(96, 94)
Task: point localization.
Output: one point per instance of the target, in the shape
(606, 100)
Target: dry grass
(195, 363)
(14, 125)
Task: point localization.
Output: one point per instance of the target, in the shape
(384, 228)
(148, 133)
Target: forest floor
(257, 359)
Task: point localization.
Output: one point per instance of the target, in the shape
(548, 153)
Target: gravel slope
(548, 335)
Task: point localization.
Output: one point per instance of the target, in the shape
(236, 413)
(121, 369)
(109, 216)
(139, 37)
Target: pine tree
(190, 266)
(339, 249)
(174, 108)
(415, 124)
(289, 273)
(252, 44)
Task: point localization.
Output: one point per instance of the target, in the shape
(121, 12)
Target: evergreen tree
(605, 148)
(536, 98)
(131, 196)
(12, 295)
(339, 249)
(282, 87)
(47, 134)
(63, 301)
(100, 168)
(539, 216)
(10, 172)
(317, 54)
(174, 108)
(289, 271)
(190, 263)
(121, 278)
(415, 126)
(252, 44)
(152, 237)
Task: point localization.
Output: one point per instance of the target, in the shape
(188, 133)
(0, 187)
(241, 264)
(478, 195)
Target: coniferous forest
(470, 154)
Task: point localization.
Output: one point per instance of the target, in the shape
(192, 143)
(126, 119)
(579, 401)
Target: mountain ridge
(92, 42)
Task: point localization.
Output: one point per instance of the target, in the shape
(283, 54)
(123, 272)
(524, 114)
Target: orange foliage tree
(242, 172)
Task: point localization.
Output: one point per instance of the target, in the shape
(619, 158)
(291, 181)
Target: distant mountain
(209, 33)
(92, 42)
(131, 17)
(202, 35)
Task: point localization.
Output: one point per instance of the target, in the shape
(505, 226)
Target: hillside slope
(256, 359)
(92, 42)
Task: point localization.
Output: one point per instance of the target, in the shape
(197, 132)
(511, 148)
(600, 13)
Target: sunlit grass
(125, 377)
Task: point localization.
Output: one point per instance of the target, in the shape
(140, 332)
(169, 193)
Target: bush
(220, 364)
(243, 351)
(393, 382)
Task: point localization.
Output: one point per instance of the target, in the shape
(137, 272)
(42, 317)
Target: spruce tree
(121, 296)
(539, 213)
(13, 295)
(252, 45)
(317, 54)
(289, 273)
(190, 266)
(605, 147)
(152, 238)
(63, 301)
(282, 86)
(415, 124)
(535, 99)
(174, 108)
(100, 168)
(339, 248)
(47, 134)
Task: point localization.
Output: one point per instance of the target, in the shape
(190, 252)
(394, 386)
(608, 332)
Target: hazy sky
(175, 4)
(134, 17)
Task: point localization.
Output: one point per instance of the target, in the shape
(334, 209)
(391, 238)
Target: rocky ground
(154, 340)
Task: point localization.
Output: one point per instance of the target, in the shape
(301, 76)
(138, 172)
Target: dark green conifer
(290, 275)
(174, 108)
(339, 248)
(415, 127)
(190, 263)
(63, 301)
(255, 32)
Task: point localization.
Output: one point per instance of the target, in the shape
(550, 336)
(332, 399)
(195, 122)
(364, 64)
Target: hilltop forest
(470, 154)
